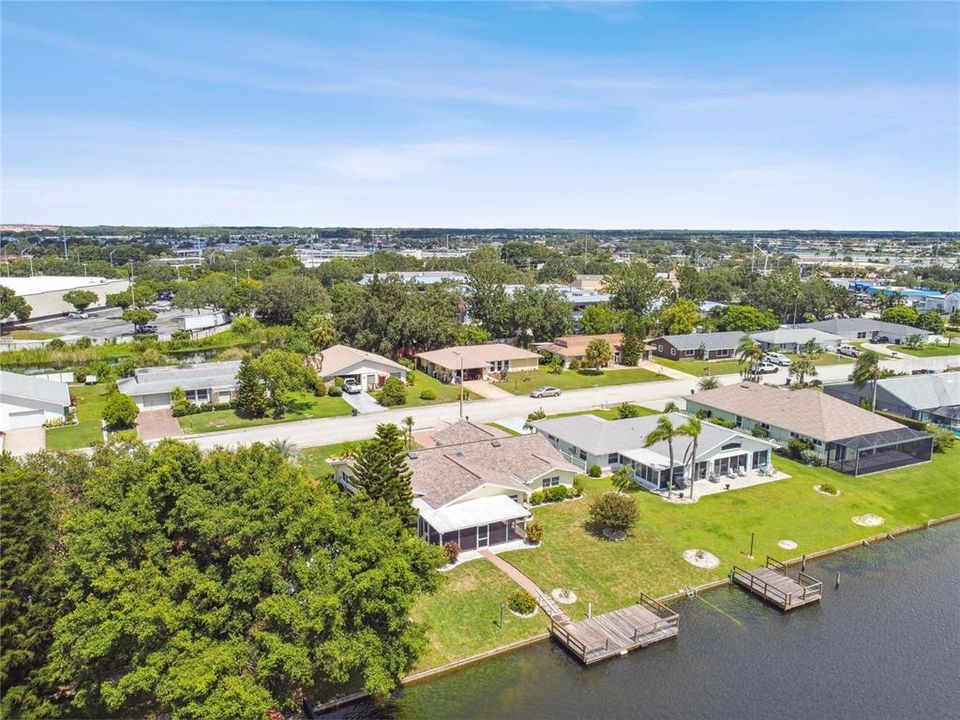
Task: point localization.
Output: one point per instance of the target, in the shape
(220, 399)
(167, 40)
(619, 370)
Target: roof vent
(412, 455)
(496, 443)
(459, 453)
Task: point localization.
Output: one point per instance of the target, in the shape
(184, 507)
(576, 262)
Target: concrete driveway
(23, 441)
(363, 403)
(486, 390)
(157, 425)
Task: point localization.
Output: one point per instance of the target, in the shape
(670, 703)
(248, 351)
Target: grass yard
(90, 401)
(606, 413)
(927, 350)
(521, 383)
(611, 575)
(463, 617)
(700, 368)
(307, 406)
(444, 393)
(27, 334)
(314, 460)
(825, 358)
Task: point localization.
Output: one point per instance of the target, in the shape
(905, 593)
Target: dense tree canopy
(636, 287)
(283, 295)
(13, 304)
(80, 299)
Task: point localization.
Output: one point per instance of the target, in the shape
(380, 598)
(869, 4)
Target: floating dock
(617, 632)
(774, 584)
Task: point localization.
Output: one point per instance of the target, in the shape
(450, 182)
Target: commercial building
(866, 329)
(44, 293)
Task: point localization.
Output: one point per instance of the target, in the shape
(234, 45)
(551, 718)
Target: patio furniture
(741, 472)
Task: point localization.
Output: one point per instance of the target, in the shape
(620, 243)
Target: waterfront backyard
(611, 575)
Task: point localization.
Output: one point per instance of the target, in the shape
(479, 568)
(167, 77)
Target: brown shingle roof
(576, 345)
(443, 474)
(465, 431)
(805, 412)
(340, 357)
(475, 356)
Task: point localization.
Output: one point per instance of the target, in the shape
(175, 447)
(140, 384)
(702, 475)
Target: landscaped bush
(829, 489)
(521, 602)
(335, 391)
(119, 411)
(536, 498)
(56, 344)
(428, 394)
(943, 439)
(628, 410)
(394, 393)
(555, 493)
(244, 325)
(81, 343)
(759, 432)
(411, 377)
(535, 532)
(595, 471)
(577, 489)
(810, 457)
(451, 551)
(320, 388)
(338, 381)
(613, 510)
(796, 447)
(722, 422)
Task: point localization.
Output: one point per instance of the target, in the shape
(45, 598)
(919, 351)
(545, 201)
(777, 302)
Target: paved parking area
(157, 425)
(106, 324)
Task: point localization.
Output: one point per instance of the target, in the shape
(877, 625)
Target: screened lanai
(878, 451)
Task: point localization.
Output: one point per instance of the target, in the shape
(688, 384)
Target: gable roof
(340, 357)
(576, 345)
(920, 392)
(805, 412)
(464, 431)
(848, 325)
(475, 356)
(160, 380)
(710, 341)
(443, 474)
(15, 385)
(797, 335)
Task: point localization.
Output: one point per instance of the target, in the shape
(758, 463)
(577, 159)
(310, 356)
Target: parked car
(765, 368)
(924, 371)
(545, 391)
(144, 329)
(78, 315)
(777, 359)
(849, 350)
(352, 387)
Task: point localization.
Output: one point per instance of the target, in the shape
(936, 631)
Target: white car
(352, 387)
(765, 368)
(849, 350)
(78, 316)
(777, 359)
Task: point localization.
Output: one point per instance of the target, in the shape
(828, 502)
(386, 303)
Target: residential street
(310, 433)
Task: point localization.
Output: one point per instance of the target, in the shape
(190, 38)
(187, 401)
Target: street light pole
(461, 385)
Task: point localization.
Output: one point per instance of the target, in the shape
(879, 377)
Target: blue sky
(603, 115)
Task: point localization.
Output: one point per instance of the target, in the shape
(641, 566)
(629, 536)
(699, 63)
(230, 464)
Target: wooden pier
(617, 632)
(774, 584)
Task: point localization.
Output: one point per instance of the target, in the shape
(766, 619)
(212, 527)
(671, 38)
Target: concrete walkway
(487, 390)
(880, 349)
(511, 572)
(666, 371)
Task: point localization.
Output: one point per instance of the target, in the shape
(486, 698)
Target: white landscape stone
(701, 558)
(868, 520)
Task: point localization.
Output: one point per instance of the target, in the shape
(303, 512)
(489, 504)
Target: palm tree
(323, 333)
(692, 429)
(407, 423)
(802, 367)
(751, 355)
(810, 347)
(664, 432)
(671, 406)
(867, 370)
(288, 450)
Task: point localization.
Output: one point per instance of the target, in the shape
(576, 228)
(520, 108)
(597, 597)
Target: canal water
(886, 644)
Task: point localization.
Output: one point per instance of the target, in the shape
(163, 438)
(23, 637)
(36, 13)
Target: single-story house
(572, 348)
(928, 398)
(866, 329)
(464, 431)
(367, 368)
(612, 444)
(476, 361)
(151, 387)
(698, 346)
(792, 340)
(946, 303)
(27, 401)
(847, 437)
(474, 493)
(589, 283)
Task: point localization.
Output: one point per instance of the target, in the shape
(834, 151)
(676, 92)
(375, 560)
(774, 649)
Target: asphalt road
(326, 431)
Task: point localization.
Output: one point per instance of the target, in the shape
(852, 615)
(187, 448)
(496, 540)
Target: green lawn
(606, 413)
(307, 406)
(701, 367)
(927, 350)
(463, 618)
(314, 459)
(27, 334)
(444, 393)
(825, 358)
(521, 383)
(90, 400)
(611, 575)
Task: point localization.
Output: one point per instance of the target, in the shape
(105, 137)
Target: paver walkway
(157, 425)
(486, 390)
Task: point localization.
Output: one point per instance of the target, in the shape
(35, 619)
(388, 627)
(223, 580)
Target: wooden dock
(617, 632)
(774, 584)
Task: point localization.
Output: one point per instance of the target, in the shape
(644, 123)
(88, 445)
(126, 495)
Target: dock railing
(776, 565)
(811, 586)
(575, 645)
(762, 587)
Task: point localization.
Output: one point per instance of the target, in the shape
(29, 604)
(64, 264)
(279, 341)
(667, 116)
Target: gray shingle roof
(922, 392)
(158, 380)
(797, 335)
(15, 385)
(848, 325)
(710, 341)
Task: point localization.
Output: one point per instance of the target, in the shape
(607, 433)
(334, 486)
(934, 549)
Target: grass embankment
(611, 575)
(314, 459)
(521, 383)
(28, 334)
(927, 350)
(90, 400)
(306, 406)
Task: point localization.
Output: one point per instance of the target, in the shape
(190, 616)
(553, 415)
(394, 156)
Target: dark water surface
(885, 645)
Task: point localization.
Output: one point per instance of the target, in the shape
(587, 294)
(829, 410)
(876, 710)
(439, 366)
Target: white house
(474, 493)
(789, 339)
(612, 444)
(367, 368)
(27, 401)
(151, 387)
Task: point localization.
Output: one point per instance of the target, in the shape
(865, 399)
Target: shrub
(80, 375)
(555, 493)
(628, 410)
(613, 510)
(809, 457)
(535, 532)
(428, 394)
(595, 471)
(722, 422)
(536, 498)
(451, 551)
(521, 602)
(83, 343)
(943, 439)
(320, 388)
(828, 489)
(796, 447)
(338, 381)
(119, 411)
(244, 325)
(394, 393)
(335, 391)
(126, 368)
(759, 432)
(577, 489)
(411, 377)
(56, 344)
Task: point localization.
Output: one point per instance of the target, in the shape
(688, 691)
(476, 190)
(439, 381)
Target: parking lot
(106, 324)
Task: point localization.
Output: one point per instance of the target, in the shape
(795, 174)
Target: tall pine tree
(381, 471)
(632, 347)
(251, 394)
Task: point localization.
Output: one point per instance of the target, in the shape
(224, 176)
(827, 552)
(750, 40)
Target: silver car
(545, 391)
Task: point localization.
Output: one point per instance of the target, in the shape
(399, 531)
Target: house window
(612, 458)
(689, 353)
(731, 446)
(765, 426)
(739, 421)
(198, 396)
(582, 454)
(551, 481)
(673, 351)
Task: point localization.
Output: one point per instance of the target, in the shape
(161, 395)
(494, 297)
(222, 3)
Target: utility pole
(63, 236)
(234, 272)
(133, 297)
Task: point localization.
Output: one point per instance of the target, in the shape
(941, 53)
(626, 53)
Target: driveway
(363, 403)
(486, 390)
(157, 425)
(23, 441)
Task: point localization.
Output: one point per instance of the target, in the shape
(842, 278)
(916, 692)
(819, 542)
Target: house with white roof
(792, 340)
(27, 401)
(928, 398)
(152, 387)
(368, 369)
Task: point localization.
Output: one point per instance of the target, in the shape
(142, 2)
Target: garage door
(26, 419)
(155, 401)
